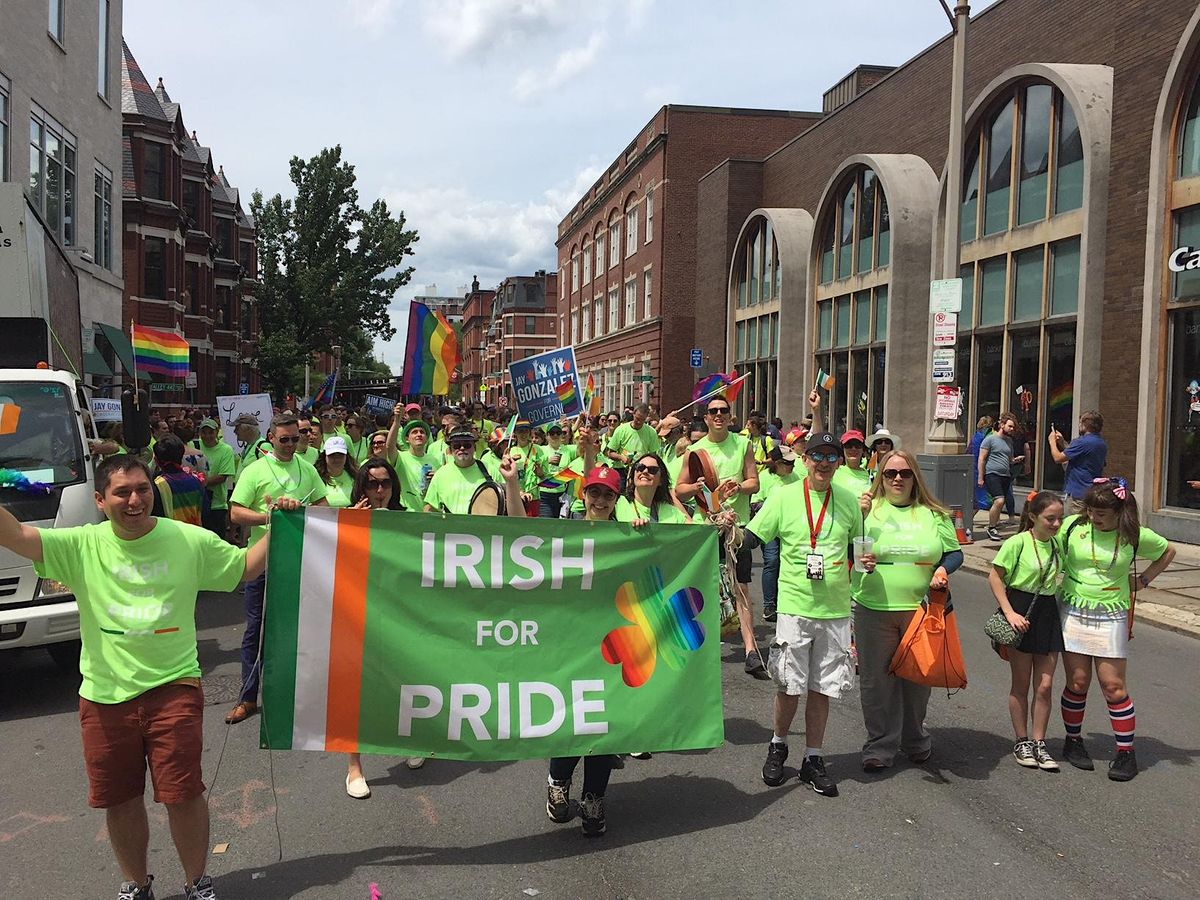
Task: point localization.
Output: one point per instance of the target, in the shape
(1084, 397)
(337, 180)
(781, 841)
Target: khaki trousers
(893, 708)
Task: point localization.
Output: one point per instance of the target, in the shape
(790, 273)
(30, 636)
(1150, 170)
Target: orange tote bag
(930, 653)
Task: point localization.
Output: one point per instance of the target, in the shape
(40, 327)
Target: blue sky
(484, 120)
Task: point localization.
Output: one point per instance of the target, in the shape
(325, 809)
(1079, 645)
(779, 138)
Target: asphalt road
(969, 823)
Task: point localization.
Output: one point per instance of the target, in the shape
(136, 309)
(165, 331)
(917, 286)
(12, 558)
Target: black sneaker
(773, 767)
(755, 667)
(558, 801)
(1124, 767)
(592, 810)
(813, 773)
(1076, 754)
(769, 614)
(200, 889)
(131, 890)
(994, 534)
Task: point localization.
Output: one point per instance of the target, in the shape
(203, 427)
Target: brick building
(627, 249)
(189, 247)
(1081, 197)
(522, 321)
(477, 321)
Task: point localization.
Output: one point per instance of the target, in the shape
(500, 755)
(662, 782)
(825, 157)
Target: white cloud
(469, 26)
(567, 65)
(373, 13)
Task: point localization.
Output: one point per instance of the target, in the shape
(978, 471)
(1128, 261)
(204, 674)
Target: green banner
(476, 638)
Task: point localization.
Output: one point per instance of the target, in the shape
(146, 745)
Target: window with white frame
(599, 315)
(55, 23)
(574, 326)
(52, 174)
(4, 104)
(647, 292)
(646, 382)
(631, 229)
(587, 264)
(649, 215)
(562, 329)
(102, 218)
(562, 283)
(587, 321)
(630, 301)
(574, 273)
(614, 243)
(627, 385)
(612, 388)
(102, 48)
(599, 249)
(614, 309)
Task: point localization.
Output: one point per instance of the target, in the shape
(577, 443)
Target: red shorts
(163, 727)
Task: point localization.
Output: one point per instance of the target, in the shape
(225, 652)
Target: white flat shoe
(415, 762)
(357, 787)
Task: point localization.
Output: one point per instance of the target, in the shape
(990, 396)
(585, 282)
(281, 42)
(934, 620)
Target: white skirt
(1095, 632)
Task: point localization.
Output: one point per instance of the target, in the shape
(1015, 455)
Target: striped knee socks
(1072, 712)
(1124, 722)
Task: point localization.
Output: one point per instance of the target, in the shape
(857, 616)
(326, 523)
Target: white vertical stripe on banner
(316, 620)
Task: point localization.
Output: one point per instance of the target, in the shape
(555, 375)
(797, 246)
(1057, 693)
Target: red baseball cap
(854, 436)
(605, 477)
(410, 407)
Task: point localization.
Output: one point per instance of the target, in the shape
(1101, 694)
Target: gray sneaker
(131, 890)
(1025, 753)
(994, 534)
(1045, 761)
(201, 889)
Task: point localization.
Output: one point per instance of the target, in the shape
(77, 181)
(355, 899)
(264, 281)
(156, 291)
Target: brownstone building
(627, 250)
(188, 245)
(1080, 216)
(477, 320)
(522, 322)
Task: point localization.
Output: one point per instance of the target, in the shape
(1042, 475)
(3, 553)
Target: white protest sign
(945, 329)
(946, 295)
(256, 405)
(104, 410)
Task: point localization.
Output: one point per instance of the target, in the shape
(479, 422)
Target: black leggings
(596, 770)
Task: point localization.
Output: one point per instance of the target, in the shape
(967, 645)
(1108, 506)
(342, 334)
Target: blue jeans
(550, 505)
(770, 575)
(251, 668)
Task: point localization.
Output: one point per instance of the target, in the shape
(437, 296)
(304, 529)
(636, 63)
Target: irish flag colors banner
(476, 638)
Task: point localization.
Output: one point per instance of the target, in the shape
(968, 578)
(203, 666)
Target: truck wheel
(65, 655)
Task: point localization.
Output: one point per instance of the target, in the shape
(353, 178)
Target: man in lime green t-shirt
(631, 440)
(136, 578)
(416, 465)
(280, 474)
(222, 466)
(815, 521)
(737, 476)
(455, 483)
(780, 469)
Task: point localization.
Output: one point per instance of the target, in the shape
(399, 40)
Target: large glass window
(614, 310)
(755, 294)
(631, 229)
(102, 218)
(1035, 154)
(102, 49)
(154, 170)
(630, 302)
(56, 22)
(614, 243)
(52, 174)
(154, 252)
(587, 264)
(4, 113)
(999, 170)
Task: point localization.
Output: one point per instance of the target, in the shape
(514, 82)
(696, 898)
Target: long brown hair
(322, 466)
(1104, 495)
(921, 495)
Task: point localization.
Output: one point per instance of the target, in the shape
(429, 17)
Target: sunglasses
(854, 445)
(288, 440)
(893, 474)
(461, 445)
(328, 416)
(718, 410)
(378, 484)
(648, 470)
(819, 457)
(600, 493)
(306, 431)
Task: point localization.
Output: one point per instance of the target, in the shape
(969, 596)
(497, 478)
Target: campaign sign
(376, 404)
(546, 386)
(256, 405)
(104, 410)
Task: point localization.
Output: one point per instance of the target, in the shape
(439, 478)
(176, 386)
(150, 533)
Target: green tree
(329, 267)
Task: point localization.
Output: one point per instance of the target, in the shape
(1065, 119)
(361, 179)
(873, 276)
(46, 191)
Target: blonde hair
(921, 494)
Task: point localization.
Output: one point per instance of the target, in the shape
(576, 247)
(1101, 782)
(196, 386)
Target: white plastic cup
(862, 546)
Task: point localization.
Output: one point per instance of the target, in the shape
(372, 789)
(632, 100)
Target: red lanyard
(814, 531)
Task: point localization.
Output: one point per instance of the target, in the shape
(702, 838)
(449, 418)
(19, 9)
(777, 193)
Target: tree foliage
(329, 267)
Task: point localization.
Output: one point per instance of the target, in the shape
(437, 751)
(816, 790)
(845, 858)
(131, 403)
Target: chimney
(475, 284)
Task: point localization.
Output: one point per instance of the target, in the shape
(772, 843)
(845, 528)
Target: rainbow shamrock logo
(662, 626)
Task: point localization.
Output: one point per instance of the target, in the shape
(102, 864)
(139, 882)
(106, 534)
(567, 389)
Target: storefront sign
(166, 387)
(949, 403)
(945, 329)
(1183, 258)
(943, 366)
(945, 295)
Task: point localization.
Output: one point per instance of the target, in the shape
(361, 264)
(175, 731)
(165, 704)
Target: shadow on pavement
(435, 772)
(648, 810)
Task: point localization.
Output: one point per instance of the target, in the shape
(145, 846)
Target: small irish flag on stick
(825, 381)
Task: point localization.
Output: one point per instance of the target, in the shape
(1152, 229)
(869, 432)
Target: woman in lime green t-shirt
(338, 471)
(913, 549)
(1096, 607)
(648, 496)
(1024, 581)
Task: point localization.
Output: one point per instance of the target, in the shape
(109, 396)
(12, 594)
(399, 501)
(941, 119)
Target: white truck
(40, 352)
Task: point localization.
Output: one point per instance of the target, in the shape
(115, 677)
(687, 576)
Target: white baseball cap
(336, 444)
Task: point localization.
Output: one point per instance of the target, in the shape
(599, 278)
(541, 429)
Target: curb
(1149, 608)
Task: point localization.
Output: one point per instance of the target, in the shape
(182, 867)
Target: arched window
(598, 243)
(574, 268)
(587, 262)
(755, 285)
(631, 225)
(1182, 367)
(1021, 223)
(852, 299)
(614, 239)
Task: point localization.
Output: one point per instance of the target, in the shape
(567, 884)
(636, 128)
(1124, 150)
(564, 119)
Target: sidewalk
(1173, 602)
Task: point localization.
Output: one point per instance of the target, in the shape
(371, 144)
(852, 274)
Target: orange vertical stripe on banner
(348, 629)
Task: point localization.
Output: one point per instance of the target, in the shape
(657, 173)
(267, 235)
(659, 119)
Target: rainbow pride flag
(567, 396)
(561, 479)
(432, 353)
(591, 398)
(160, 352)
(1061, 396)
(713, 382)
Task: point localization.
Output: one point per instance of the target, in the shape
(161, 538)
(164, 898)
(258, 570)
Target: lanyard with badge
(814, 563)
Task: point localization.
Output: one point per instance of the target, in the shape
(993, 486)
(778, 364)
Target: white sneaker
(1025, 754)
(357, 787)
(415, 762)
(1045, 761)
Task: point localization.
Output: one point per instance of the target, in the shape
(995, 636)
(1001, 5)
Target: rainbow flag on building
(432, 353)
(1061, 396)
(160, 352)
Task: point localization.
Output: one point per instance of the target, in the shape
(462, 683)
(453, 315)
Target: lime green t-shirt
(634, 441)
(268, 477)
(453, 486)
(221, 461)
(528, 460)
(1094, 576)
(412, 470)
(309, 455)
(1029, 564)
(857, 480)
(729, 458)
(768, 481)
(360, 449)
(252, 453)
(784, 516)
(668, 514)
(910, 541)
(566, 455)
(339, 489)
(137, 600)
(675, 465)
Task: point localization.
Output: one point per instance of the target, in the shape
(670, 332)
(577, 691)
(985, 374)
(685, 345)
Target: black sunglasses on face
(461, 445)
(893, 474)
(649, 470)
(718, 410)
(819, 457)
(288, 440)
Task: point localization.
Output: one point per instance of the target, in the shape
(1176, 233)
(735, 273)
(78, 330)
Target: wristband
(1142, 580)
